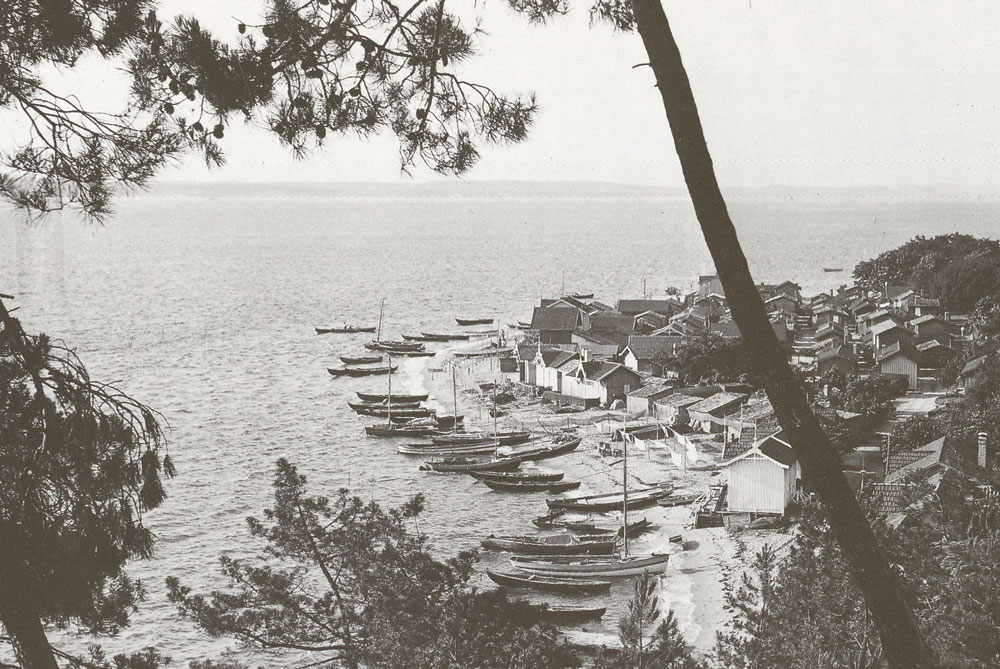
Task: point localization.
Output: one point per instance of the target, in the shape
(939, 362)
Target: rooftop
(647, 347)
(554, 318)
(717, 402)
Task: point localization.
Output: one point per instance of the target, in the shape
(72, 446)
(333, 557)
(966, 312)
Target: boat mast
(454, 397)
(388, 398)
(381, 308)
(624, 487)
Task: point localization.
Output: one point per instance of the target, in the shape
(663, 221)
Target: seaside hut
(644, 351)
(901, 359)
(640, 401)
(839, 358)
(763, 479)
(672, 409)
(709, 414)
(555, 324)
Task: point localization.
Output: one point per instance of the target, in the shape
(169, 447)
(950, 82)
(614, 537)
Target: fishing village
(645, 451)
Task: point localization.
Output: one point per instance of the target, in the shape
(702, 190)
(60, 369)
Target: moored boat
(555, 450)
(432, 451)
(637, 499)
(569, 586)
(510, 438)
(361, 371)
(522, 476)
(396, 397)
(361, 359)
(396, 404)
(423, 337)
(393, 430)
(553, 487)
(392, 412)
(474, 321)
(345, 329)
(586, 567)
(393, 346)
(556, 544)
(454, 465)
(448, 336)
(568, 615)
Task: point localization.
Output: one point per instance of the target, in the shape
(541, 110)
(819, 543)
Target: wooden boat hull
(504, 438)
(365, 406)
(395, 347)
(431, 452)
(527, 546)
(474, 321)
(390, 430)
(678, 501)
(569, 615)
(385, 412)
(600, 503)
(361, 371)
(460, 465)
(552, 487)
(396, 397)
(426, 338)
(569, 586)
(550, 452)
(585, 568)
(350, 329)
(522, 476)
(449, 336)
(361, 360)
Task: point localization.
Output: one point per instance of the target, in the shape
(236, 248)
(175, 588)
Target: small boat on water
(431, 451)
(484, 353)
(394, 346)
(361, 371)
(345, 329)
(678, 501)
(833, 269)
(637, 499)
(361, 359)
(412, 354)
(557, 449)
(553, 487)
(423, 337)
(439, 421)
(474, 321)
(581, 527)
(393, 412)
(466, 465)
(510, 438)
(555, 544)
(393, 430)
(568, 586)
(449, 336)
(396, 397)
(587, 567)
(524, 477)
(568, 615)
(396, 404)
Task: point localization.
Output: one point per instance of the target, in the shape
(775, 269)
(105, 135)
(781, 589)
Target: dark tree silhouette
(80, 463)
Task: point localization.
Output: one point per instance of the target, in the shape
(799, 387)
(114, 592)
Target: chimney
(982, 449)
(947, 317)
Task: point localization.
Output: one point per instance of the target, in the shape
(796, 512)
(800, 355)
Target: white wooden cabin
(764, 478)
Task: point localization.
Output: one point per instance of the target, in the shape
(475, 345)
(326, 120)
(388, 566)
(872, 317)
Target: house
(648, 321)
(874, 318)
(783, 304)
(644, 352)
(837, 358)
(747, 416)
(613, 325)
(905, 300)
(641, 400)
(666, 306)
(893, 292)
(709, 414)
(900, 358)
(827, 313)
(830, 334)
(904, 464)
(764, 478)
(968, 378)
(860, 308)
(596, 344)
(710, 284)
(926, 306)
(555, 325)
(789, 288)
(672, 409)
(931, 327)
(600, 382)
(934, 354)
(887, 332)
(548, 367)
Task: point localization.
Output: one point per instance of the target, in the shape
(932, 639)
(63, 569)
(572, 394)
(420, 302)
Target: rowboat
(637, 499)
(387, 411)
(466, 465)
(346, 329)
(568, 615)
(554, 487)
(570, 586)
(557, 449)
(582, 296)
(446, 422)
(483, 353)
(522, 476)
(678, 501)
(580, 527)
(473, 321)
(423, 337)
(448, 336)
(382, 397)
(510, 438)
(361, 371)
(833, 269)
(361, 360)
(394, 346)
(431, 451)
(587, 567)
(362, 406)
(556, 544)
(391, 430)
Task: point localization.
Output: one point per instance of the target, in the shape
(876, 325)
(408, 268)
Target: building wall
(899, 364)
(669, 414)
(637, 405)
(758, 485)
(555, 336)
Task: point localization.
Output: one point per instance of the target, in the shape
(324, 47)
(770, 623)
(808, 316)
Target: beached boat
(396, 397)
(536, 477)
(483, 353)
(392, 412)
(448, 336)
(509, 438)
(568, 615)
(361, 371)
(474, 321)
(553, 487)
(555, 450)
(567, 586)
(346, 329)
(396, 404)
(423, 337)
(637, 499)
(588, 567)
(433, 451)
(361, 359)
(394, 347)
(393, 430)
(582, 527)
(555, 544)
(466, 465)
(678, 501)
(443, 422)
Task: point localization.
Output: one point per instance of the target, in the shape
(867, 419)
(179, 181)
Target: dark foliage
(708, 358)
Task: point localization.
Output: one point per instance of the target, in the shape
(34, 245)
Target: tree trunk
(22, 622)
(901, 639)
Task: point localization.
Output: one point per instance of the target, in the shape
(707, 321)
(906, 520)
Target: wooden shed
(764, 478)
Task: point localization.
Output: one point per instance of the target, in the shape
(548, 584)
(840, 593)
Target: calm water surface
(203, 307)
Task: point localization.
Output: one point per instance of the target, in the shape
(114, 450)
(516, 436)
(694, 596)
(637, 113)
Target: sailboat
(610, 566)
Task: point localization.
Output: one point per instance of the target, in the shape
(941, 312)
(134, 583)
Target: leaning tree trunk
(19, 617)
(901, 639)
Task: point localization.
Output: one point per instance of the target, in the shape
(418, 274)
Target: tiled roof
(653, 390)
(638, 306)
(926, 318)
(554, 318)
(906, 463)
(895, 291)
(716, 402)
(595, 337)
(678, 400)
(930, 345)
(563, 358)
(778, 451)
(595, 370)
(885, 326)
(611, 321)
(887, 498)
(836, 352)
(729, 330)
(647, 347)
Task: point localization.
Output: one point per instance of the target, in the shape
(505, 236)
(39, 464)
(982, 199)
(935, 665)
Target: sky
(791, 93)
